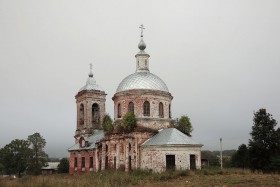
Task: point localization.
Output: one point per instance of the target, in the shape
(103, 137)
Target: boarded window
(170, 162)
(146, 108)
(131, 107)
(83, 162)
(160, 110)
(119, 111)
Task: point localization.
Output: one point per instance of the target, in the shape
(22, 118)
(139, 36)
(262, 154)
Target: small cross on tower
(142, 28)
(90, 66)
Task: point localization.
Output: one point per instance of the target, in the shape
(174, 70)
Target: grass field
(205, 177)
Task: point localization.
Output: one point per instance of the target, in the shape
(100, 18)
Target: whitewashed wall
(154, 157)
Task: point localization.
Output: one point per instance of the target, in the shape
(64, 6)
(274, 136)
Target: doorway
(170, 162)
(192, 162)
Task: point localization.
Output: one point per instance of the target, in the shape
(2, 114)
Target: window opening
(95, 113)
(119, 111)
(83, 162)
(131, 107)
(82, 112)
(146, 108)
(160, 109)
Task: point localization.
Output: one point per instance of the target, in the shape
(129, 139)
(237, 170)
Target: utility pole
(221, 153)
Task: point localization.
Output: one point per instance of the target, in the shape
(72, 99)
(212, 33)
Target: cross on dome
(90, 72)
(142, 28)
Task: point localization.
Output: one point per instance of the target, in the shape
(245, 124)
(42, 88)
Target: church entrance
(170, 162)
(192, 162)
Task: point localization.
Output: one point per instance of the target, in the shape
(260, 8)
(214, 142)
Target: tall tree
(15, 156)
(63, 166)
(241, 157)
(184, 125)
(264, 144)
(39, 157)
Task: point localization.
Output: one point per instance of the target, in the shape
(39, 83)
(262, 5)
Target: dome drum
(152, 108)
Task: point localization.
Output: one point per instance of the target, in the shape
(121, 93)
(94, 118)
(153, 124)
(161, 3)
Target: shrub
(129, 121)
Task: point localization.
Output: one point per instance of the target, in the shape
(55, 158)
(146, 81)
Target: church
(153, 145)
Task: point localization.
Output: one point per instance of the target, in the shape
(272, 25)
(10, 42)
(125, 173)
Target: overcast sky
(220, 60)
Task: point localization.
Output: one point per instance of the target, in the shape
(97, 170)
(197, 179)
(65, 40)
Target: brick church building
(147, 96)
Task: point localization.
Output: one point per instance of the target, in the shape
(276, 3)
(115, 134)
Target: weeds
(138, 177)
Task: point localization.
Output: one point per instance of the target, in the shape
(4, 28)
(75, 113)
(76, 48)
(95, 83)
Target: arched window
(82, 142)
(169, 111)
(131, 107)
(95, 113)
(160, 110)
(119, 111)
(146, 108)
(82, 113)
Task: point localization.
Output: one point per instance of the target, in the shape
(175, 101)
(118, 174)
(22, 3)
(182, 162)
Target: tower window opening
(160, 109)
(169, 111)
(82, 113)
(131, 107)
(146, 108)
(119, 111)
(95, 113)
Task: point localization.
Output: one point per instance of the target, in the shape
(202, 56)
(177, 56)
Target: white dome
(142, 80)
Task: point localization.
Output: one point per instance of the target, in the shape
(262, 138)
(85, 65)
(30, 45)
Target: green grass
(204, 177)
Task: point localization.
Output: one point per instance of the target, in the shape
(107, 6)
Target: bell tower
(90, 102)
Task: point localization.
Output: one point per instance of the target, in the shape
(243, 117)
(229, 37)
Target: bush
(107, 124)
(129, 121)
(63, 166)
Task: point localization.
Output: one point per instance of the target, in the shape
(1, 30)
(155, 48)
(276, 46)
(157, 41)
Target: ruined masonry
(153, 145)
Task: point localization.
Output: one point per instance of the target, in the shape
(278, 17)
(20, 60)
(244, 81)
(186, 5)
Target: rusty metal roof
(170, 136)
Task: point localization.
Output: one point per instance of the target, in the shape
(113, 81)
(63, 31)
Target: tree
(184, 125)
(241, 157)
(129, 121)
(107, 124)
(211, 157)
(264, 144)
(63, 166)
(15, 156)
(39, 157)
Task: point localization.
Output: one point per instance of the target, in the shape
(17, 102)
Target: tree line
(263, 149)
(21, 156)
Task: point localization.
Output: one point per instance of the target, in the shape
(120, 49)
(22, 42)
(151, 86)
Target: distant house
(50, 168)
(204, 162)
